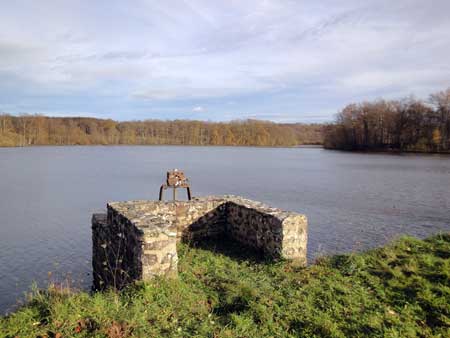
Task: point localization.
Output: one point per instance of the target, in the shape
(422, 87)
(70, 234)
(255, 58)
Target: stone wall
(116, 251)
(137, 239)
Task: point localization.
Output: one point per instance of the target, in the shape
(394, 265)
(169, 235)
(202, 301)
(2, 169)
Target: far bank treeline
(402, 125)
(29, 130)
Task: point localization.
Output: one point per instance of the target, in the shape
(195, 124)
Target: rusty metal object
(175, 179)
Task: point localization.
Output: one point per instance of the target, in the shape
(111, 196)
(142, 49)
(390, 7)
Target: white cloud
(198, 109)
(154, 53)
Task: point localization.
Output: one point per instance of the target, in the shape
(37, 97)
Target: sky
(278, 60)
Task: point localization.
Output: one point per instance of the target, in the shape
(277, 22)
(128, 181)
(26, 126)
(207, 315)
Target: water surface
(353, 201)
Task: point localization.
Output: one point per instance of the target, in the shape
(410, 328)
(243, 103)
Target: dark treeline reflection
(27, 130)
(406, 125)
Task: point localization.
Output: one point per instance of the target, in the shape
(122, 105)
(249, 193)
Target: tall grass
(401, 290)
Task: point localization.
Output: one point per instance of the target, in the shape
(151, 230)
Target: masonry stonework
(138, 239)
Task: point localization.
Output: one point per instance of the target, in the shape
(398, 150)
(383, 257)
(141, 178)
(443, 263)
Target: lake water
(353, 201)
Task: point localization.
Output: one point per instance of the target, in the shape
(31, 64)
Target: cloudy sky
(218, 60)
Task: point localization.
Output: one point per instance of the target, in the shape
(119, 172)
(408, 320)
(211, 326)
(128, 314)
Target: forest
(31, 130)
(406, 124)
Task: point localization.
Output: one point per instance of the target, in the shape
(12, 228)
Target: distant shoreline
(389, 151)
(305, 146)
(43, 130)
(164, 145)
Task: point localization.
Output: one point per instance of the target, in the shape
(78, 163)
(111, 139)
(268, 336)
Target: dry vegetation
(403, 125)
(407, 124)
(28, 130)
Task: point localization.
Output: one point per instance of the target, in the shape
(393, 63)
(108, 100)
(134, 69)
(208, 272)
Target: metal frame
(183, 183)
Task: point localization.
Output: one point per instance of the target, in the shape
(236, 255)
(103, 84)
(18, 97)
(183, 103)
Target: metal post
(161, 192)
(188, 193)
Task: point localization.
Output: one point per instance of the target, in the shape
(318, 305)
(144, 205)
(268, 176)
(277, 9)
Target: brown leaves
(117, 330)
(86, 324)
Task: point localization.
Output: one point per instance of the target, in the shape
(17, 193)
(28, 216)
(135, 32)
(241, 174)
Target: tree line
(29, 130)
(407, 124)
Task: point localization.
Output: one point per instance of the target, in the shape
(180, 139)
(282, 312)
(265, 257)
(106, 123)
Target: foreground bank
(401, 290)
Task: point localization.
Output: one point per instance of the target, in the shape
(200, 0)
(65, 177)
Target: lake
(353, 201)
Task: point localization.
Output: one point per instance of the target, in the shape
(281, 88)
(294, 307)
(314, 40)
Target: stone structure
(138, 239)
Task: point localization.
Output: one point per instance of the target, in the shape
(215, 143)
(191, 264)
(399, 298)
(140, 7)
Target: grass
(400, 290)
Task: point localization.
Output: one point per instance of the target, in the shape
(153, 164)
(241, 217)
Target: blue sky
(286, 61)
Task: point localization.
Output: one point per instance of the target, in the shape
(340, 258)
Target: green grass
(401, 290)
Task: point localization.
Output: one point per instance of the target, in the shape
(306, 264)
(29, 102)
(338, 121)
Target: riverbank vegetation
(408, 124)
(400, 290)
(29, 130)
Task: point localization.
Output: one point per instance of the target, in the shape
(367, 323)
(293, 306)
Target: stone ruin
(137, 240)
